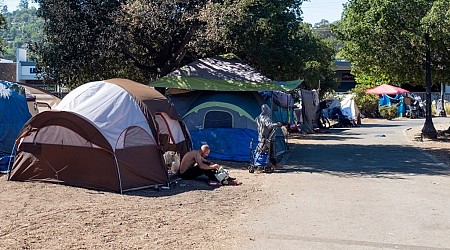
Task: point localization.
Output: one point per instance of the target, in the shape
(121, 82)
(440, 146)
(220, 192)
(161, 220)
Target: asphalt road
(355, 188)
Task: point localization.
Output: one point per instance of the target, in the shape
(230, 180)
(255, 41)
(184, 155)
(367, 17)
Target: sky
(316, 10)
(12, 4)
(313, 10)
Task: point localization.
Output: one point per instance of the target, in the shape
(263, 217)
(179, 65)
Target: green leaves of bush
(388, 112)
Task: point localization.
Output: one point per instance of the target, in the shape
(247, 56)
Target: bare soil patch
(192, 215)
(439, 148)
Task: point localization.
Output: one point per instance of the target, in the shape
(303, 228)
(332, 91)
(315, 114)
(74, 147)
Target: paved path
(356, 188)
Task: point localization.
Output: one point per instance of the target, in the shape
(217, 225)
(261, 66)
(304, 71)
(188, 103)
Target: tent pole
(10, 158)
(118, 174)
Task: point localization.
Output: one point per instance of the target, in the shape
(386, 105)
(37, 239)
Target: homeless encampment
(107, 135)
(13, 115)
(219, 100)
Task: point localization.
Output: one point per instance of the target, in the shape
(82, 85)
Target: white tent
(349, 108)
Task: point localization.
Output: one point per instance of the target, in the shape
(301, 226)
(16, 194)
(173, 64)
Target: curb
(421, 150)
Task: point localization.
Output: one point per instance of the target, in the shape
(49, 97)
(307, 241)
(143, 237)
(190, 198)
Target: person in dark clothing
(194, 165)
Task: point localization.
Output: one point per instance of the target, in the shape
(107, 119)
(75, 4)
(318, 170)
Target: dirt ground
(190, 216)
(439, 148)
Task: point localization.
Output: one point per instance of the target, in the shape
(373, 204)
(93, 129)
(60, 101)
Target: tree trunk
(428, 130)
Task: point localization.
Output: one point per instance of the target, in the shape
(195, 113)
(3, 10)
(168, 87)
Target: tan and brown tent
(107, 135)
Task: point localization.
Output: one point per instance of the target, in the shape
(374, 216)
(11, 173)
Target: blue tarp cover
(235, 146)
(4, 163)
(13, 115)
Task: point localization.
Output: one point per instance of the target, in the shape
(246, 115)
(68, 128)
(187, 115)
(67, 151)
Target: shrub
(388, 112)
(367, 103)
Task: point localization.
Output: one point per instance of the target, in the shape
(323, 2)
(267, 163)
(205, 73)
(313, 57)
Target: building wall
(345, 78)
(26, 71)
(8, 71)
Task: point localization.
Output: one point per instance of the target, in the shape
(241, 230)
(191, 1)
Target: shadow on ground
(353, 160)
(379, 125)
(178, 187)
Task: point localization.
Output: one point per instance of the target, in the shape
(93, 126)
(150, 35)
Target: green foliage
(270, 36)
(388, 112)
(23, 27)
(78, 45)
(139, 40)
(23, 4)
(367, 103)
(437, 24)
(389, 36)
(326, 31)
(146, 39)
(2, 26)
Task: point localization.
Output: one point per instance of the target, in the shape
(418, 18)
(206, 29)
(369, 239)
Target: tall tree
(140, 40)
(273, 38)
(159, 35)
(23, 4)
(77, 39)
(146, 39)
(389, 36)
(23, 28)
(401, 40)
(2, 42)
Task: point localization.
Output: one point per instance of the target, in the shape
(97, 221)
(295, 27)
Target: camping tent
(223, 120)
(107, 135)
(13, 115)
(218, 99)
(349, 107)
(217, 74)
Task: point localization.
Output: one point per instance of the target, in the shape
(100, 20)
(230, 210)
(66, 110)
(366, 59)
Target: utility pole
(428, 130)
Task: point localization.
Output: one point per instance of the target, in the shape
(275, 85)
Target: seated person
(194, 164)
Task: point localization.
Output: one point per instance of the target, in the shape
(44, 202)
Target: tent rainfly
(219, 99)
(108, 135)
(13, 115)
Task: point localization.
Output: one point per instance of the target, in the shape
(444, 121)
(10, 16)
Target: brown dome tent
(107, 135)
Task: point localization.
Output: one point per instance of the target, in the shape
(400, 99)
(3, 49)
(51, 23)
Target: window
(218, 119)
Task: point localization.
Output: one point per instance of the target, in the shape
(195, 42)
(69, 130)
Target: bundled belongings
(107, 135)
(263, 158)
(344, 113)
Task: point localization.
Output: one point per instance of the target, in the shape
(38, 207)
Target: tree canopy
(21, 28)
(146, 39)
(386, 38)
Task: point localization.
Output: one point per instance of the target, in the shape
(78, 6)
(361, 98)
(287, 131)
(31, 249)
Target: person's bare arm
(199, 160)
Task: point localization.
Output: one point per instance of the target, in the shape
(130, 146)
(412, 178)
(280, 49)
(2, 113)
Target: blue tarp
(4, 162)
(385, 100)
(236, 146)
(14, 114)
